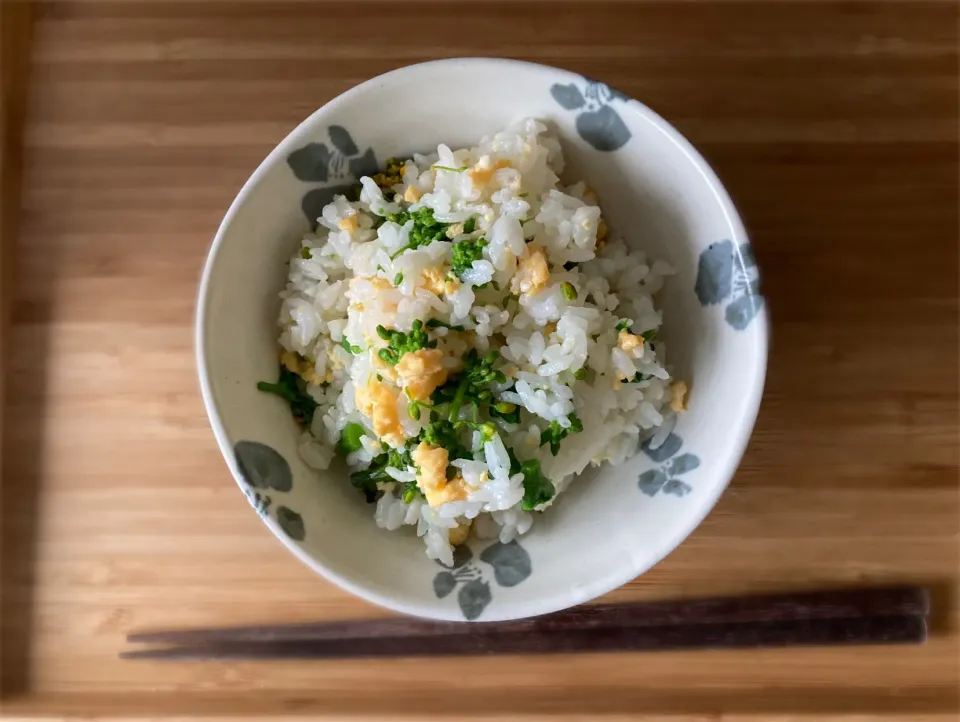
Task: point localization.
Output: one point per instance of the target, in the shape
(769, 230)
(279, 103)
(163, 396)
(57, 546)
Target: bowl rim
(524, 607)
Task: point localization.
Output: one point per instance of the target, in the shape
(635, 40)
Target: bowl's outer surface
(612, 524)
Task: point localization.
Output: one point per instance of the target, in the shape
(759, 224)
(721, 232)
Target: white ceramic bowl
(605, 530)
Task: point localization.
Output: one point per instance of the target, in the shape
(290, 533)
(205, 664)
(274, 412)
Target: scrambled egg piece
(412, 194)
(481, 175)
(532, 274)
(422, 371)
(380, 284)
(602, 231)
(628, 341)
(431, 462)
(290, 361)
(458, 535)
(678, 398)
(379, 402)
(435, 280)
(455, 230)
(350, 223)
(303, 368)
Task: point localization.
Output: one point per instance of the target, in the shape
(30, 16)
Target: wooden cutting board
(834, 126)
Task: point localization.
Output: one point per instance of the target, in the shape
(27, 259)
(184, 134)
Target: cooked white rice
(563, 358)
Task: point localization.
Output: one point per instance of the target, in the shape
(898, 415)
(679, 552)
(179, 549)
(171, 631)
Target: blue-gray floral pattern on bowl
(511, 565)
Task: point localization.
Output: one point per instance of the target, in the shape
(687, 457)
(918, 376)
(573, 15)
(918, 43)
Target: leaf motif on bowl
(664, 477)
(262, 466)
(740, 312)
(340, 137)
(675, 487)
(511, 565)
(473, 598)
(568, 96)
(715, 273)
(341, 164)
(682, 464)
(510, 562)
(443, 584)
(291, 523)
(670, 446)
(651, 481)
(603, 129)
(310, 163)
(597, 122)
(729, 273)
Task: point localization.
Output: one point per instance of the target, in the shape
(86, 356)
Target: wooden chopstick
(865, 616)
(907, 629)
(834, 604)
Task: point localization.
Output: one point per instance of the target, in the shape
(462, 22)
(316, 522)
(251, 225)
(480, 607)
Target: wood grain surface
(833, 125)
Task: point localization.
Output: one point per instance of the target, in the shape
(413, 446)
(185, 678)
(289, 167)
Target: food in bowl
(469, 335)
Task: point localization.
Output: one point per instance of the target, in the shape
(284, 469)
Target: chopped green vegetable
(471, 384)
(443, 433)
(290, 387)
(401, 343)
(522, 195)
(367, 480)
(400, 459)
(649, 335)
(640, 377)
(349, 348)
(350, 438)
(453, 170)
(580, 374)
(410, 491)
(569, 291)
(413, 408)
(624, 324)
(437, 323)
(426, 229)
(399, 218)
(470, 225)
(514, 462)
(464, 254)
(392, 173)
(305, 252)
(507, 412)
(440, 433)
(555, 433)
(537, 489)
(487, 432)
(398, 279)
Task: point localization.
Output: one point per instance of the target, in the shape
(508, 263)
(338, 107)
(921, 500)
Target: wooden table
(834, 126)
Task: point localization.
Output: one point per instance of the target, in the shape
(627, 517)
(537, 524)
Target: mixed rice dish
(468, 334)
